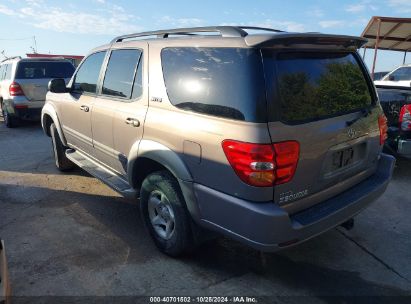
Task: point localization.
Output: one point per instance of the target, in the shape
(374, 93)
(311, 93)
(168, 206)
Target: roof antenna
(4, 54)
(34, 49)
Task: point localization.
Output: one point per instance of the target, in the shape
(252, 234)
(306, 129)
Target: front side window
(87, 76)
(120, 73)
(403, 73)
(223, 82)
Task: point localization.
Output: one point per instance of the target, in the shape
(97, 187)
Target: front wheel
(165, 214)
(59, 151)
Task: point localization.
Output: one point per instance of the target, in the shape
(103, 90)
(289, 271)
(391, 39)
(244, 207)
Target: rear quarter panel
(197, 138)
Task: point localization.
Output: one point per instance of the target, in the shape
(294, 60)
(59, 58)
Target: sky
(75, 27)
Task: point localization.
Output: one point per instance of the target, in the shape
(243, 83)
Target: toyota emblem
(351, 133)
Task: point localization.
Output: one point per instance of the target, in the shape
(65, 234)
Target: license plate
(343, 158)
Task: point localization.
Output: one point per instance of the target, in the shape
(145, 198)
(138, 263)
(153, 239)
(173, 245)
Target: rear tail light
(263, 165)
(15, 89)
(382, 124)
(405, 118)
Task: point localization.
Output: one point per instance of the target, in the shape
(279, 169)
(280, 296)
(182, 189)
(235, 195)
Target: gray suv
(23, 86)
(268, 138)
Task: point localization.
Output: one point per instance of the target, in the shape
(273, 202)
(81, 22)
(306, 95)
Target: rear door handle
(132, 121)
(85, 108)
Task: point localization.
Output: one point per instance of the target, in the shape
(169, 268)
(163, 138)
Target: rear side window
(224, 82)
(313, 86)
(44, 69)
(87, 75)
(138, 81)
(2, 71)
(5, 72)
(8, 72)
(120, 73)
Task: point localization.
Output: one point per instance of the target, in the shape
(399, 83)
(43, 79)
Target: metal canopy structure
(387, 33)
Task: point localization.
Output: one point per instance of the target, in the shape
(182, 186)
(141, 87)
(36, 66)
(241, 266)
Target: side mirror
(57, 85)
(391, 77)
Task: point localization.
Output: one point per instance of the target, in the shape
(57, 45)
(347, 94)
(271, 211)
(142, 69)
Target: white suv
(23, 86)
(401, 77)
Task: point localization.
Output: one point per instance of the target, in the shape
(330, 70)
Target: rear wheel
(59, 150)
(9, 120)
(165, 214)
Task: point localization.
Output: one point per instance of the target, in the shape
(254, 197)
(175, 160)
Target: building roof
(36, 55)
(393, 34)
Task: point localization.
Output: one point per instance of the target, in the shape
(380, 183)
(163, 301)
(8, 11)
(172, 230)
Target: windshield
(44, 69)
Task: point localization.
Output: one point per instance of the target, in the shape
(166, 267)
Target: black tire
(181, 239)
(59, 151)
(9, 121)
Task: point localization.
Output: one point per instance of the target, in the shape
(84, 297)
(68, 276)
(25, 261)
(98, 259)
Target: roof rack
(224, 31)
(9, 58)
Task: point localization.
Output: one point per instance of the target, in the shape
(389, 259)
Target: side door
(76, 108)
(117, 101)
(130, 116)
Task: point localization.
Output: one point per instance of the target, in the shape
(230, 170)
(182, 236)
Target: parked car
(379, 75)
(396, 103)
(23, 86)
(401, 76)
(269, 138)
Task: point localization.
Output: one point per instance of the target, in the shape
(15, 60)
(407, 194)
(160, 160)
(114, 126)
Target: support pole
(377, 42)
(405, 56)
(363, 54)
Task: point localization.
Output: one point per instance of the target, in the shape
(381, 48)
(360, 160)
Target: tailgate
(34, 76)
(324, 101)
(34, 89)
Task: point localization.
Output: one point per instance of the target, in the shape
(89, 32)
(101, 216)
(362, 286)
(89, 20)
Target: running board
(106, 176)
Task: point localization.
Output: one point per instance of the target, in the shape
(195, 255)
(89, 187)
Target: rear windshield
(312, 86)
(44, 69)
(223, 82)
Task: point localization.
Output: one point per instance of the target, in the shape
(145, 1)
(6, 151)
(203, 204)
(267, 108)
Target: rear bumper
(28, 113)
(21, 107)
(268, 227)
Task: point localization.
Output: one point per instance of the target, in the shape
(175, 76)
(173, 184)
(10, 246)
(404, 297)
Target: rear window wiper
(364, 113)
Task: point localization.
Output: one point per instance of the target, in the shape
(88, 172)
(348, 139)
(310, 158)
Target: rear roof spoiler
(290, 39)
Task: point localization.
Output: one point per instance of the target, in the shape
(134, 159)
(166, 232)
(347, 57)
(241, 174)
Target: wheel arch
(49, 116)
(153, 156)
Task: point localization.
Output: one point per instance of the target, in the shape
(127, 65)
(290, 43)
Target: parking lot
(70, 235)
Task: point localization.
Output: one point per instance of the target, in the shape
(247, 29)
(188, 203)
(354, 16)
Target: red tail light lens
(15, 89)
(382, 124)
(286, 159)
(262, 165)
(405, 118)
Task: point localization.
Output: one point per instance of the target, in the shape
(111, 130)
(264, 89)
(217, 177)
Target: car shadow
(402, 170)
